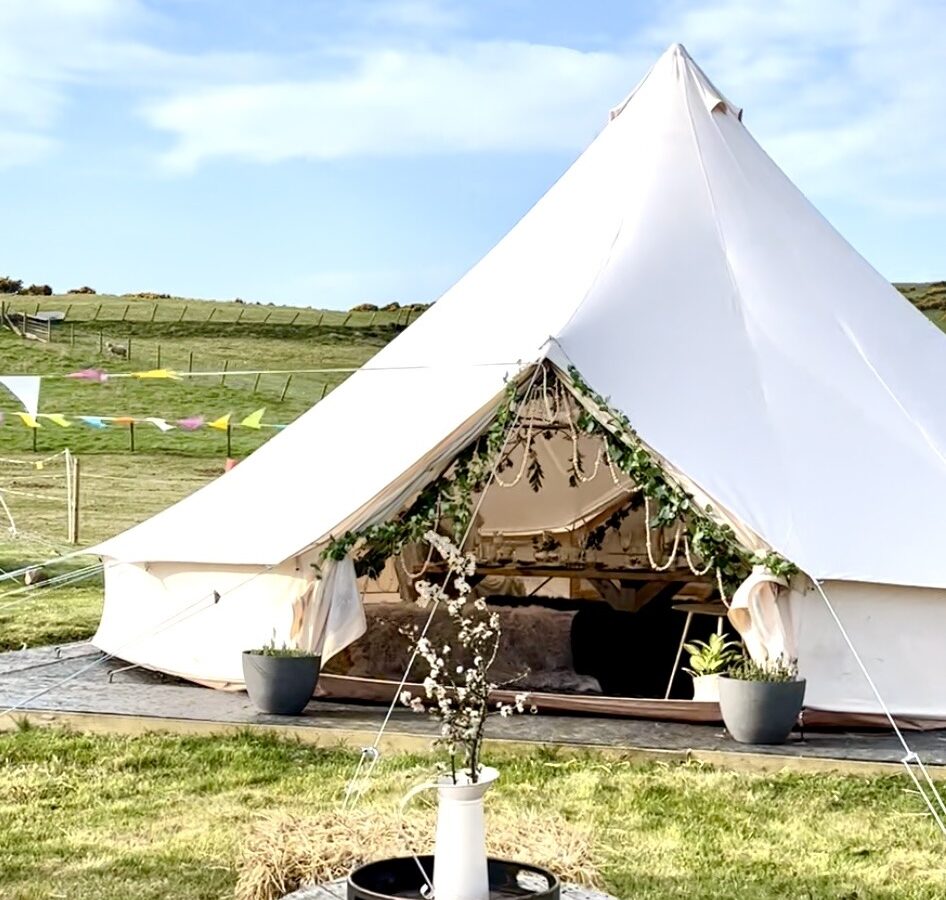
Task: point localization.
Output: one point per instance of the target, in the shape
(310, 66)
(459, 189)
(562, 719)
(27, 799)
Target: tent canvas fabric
(681, 272)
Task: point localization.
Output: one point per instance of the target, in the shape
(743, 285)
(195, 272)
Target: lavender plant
(457, 686)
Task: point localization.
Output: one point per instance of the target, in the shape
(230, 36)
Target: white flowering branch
(457, 686)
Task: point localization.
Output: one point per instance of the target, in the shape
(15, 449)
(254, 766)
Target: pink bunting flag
(191, 424)
(96, 375)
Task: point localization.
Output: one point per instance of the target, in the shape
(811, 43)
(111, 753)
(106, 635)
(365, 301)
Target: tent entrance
(589, 593)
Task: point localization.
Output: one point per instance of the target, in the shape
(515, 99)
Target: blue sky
(326, 153)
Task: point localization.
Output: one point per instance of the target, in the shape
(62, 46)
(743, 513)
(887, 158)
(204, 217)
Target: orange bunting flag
(221, 424)
(28, 420)
(254, 420)
(123, 420)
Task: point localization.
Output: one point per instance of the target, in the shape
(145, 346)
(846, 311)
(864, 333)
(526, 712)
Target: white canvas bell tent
(685, 277)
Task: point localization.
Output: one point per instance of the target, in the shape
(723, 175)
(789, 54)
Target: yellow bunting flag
(157, 373)
(28, 420)
(221, 424)
(56, 418)
(255, 419)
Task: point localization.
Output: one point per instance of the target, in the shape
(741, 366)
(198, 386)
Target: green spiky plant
(712, 657)
(779, 670)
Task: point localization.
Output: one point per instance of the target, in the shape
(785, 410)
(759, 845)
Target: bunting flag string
(253, 421)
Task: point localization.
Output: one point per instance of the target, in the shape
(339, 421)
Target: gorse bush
(10, 285)
(41, 290)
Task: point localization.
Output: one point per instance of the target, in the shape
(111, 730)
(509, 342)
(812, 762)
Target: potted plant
(280, 680)
(709, 659)
(760, 702)
(457, 691)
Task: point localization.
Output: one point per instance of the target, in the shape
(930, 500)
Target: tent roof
(685, 276)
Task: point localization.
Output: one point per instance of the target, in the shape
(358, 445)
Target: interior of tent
(595, 598)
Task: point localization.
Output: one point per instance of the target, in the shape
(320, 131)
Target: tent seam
(721, 237)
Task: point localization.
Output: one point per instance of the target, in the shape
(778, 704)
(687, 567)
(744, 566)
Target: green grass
(165, 817)
(213, 348)
(115, 496)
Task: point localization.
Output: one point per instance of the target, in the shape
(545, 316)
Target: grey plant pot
(760, 712)
(280, 685)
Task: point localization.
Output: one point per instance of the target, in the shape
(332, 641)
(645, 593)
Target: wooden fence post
(154, 312)
(266, 317)
(125, 311)
(49, 331)
(322, 392)
(321, 316)
(345, 320)
(242, 310)
(34, 430)
(180, 318)
(157, 363)
(101, 342)
(213, 309)
(131, 436)
(65, 315)
(223, 377)
(374, 316)
(285, 390)
(256, 382)
(128, 348)
(190, 361)
(95, 315)
(229, 440)
(293, 320)
(75, 500)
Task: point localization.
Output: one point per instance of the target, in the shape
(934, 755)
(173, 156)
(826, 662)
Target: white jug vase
(460, 869)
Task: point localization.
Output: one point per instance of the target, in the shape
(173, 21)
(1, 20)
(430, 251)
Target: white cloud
(470, 97)
(48, 47)
(847, 98)
(844, 96)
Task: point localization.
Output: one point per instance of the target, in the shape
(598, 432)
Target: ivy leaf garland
(712, 542)
(450, 499)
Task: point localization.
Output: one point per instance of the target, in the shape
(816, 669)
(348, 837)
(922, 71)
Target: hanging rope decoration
(715, 543)
(708, 545)
(650, 549)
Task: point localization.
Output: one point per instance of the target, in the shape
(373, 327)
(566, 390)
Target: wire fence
(135, 309)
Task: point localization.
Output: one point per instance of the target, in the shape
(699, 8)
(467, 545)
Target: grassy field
(167, 817)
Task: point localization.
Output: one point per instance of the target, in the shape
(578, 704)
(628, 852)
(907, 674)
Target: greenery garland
(713, 542)
(450, 498)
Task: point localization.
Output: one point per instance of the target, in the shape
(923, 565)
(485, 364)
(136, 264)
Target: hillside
(119, 488)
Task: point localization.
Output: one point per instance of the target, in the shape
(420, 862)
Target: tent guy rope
(373, 753)
(175, 619)
(910, 756)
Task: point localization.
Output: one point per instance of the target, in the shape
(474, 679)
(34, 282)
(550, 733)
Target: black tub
(401, 877)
